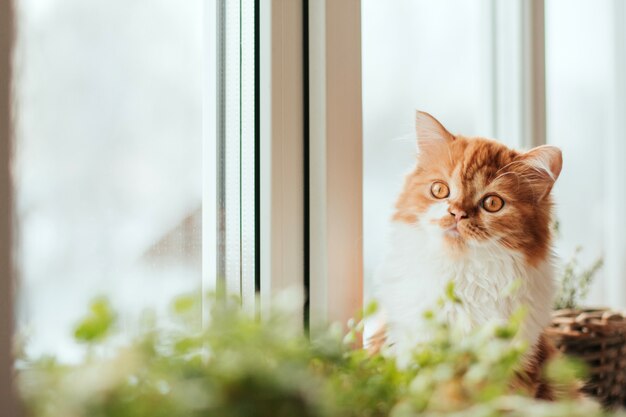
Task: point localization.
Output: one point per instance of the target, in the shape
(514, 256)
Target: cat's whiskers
(515, 175)
(510, 164)
(404, 138)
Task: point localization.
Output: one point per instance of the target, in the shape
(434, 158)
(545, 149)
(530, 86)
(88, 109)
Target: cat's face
(472, 191)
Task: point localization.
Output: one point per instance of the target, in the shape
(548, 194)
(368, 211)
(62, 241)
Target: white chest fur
(418, 267)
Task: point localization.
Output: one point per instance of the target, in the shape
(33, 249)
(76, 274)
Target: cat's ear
(546, 162)
(429, 129)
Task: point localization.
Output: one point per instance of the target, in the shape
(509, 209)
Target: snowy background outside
(108, 165)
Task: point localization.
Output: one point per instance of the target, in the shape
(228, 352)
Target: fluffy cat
(476, 213)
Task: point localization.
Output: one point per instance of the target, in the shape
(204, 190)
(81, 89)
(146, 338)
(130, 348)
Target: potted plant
(597, 336)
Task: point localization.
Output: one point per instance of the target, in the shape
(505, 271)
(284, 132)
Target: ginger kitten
(478, 214)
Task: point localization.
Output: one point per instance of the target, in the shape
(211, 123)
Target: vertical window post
(210, 169)
(335, 151)
(7, 392)
(281, 152)
(616, 170)
(519, 72)
(534, 81)
(229, 214)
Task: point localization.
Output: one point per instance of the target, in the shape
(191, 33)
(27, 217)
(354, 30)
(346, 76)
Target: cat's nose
(457, 213)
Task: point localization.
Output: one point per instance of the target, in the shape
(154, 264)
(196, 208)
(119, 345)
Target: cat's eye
(439, 190)
(493, 203)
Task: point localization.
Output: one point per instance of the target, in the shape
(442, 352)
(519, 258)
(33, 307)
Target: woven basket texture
(598, 337)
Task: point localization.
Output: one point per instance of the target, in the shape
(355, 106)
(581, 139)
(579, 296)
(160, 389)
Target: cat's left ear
(546, 162)
(429, 129)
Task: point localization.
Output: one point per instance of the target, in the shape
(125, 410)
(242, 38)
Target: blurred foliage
(97, 324)
(575, 282)
(236, 365)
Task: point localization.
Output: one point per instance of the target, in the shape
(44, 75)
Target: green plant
(575, 282)
(239, 366)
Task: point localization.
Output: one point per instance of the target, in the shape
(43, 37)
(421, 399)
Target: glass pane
(579, 65)
(235, 142)
(428, 55)
(109, 158)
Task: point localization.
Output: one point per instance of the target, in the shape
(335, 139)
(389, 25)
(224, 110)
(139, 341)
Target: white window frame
(209, 153)
(518, 94)
(336, 160)
(615, 241)
(7, 389)
(229, 211)
(282, 150)
(319, 244)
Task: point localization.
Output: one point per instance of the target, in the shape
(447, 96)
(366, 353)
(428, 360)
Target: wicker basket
(598, 337)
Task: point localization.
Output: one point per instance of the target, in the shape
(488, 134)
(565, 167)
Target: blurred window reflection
(108, 165)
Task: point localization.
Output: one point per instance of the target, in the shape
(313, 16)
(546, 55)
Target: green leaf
(98, 323)
(566, 370)
(451, 294)
(185, 303)
(370, 309)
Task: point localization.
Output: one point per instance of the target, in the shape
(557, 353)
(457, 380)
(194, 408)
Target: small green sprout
(576, 281)
(98, 323)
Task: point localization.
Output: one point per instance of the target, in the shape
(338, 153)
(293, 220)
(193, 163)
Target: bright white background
(108, 164)
(579, 73)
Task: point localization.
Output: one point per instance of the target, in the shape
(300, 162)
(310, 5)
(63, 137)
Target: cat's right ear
(429, 129)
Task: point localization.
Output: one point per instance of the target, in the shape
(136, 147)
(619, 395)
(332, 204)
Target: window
(108, 159)
(258, 146)
(231, 151)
